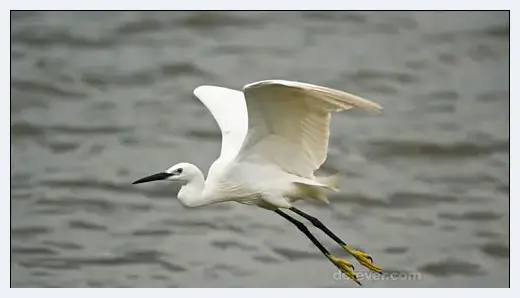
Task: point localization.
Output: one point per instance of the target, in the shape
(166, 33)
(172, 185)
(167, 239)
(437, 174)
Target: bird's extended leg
(363, 258)
(343, 265)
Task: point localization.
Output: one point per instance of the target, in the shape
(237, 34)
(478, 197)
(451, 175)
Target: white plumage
(275, 135)
(289, 122)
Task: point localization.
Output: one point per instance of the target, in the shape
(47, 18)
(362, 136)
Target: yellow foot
(363, 259)
(345, 267)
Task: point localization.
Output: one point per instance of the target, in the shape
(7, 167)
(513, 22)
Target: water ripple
(46, 88)
(294, 255)
(496, 250)
(58, 37)
(86, 225)
(471, 216)
(131, 258)
(232, 244)
(408, 149)
(29, 231)
(452, 267)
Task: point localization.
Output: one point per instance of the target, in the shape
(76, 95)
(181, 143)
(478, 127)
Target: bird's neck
(190, 194)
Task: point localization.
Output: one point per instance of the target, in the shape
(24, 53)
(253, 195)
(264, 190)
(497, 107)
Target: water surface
(100, 99)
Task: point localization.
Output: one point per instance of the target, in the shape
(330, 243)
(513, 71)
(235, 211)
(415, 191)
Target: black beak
(154, 177)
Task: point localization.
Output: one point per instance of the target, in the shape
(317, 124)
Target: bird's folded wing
(289, 122)
(228, 107)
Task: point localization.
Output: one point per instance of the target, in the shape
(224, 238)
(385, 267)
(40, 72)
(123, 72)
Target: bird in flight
(275, 135)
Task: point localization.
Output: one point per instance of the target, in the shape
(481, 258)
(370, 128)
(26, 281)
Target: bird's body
(239, 181)
(274, 137)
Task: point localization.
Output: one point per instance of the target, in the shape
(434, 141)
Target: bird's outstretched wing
(289, 123)
(228, 107)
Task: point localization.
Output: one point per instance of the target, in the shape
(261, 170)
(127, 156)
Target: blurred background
(99, 99)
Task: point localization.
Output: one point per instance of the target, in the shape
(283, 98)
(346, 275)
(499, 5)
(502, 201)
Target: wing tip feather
(342, 99)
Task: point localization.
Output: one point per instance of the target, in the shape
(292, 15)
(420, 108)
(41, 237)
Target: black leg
(342, 265)
(304, 229)
(362, 257)
(317, 223)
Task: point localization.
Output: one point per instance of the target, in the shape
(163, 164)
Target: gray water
(99, 99)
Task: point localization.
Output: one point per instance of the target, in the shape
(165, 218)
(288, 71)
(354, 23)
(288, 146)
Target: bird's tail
(330, 182)
(316, 188)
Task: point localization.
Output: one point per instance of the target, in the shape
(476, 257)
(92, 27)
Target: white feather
(228, 107)
(274, 136)
(289, 123)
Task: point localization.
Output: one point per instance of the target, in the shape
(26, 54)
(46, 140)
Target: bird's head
(183, 172)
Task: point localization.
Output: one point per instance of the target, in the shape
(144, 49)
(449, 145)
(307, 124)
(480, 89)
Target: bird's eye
(178, 171)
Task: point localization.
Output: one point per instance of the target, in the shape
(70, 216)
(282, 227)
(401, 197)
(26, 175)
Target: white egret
(275, 135)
